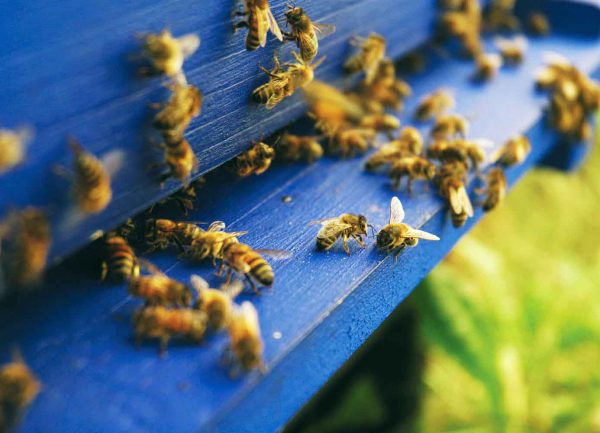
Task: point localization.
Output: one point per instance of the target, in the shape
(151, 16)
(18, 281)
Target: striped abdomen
(121, 263)
(92, 184)
(258, 24)
(260, 269)
(326, 238)
(459, 219)
(180, 158)
(309, 45)
(270, 93)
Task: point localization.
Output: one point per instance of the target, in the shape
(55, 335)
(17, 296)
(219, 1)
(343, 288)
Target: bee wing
(323, 30)
(320, 92)
(188, 43)
(396, 211)
(113, 161)
(235, 234)
(233, 289)
(250, 317)
(414, 233)
(465, 202)
(217, 226)
(323, 221)
(274, 26)
(151, 267)
(554, 58)
(484, 143)
(198, 283)
(275, 254)
(333, 229)
(454, 199)
(495, 59)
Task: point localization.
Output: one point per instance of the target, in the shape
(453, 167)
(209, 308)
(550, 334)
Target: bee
(410, 143)
(372, 52)
(183, 105)
(255, 160)
(448, 125)
(414, 167)
(28, 235)
(298, 148)
(165, 53)
(259, 21)
(18, 388)
(180, 160)
(386, 89)
(486, 66)
(512, 51)
(162, 233)
(345, 226)
(305, 33)
(216, 303)
(514, 151)
(495, 189)
(158, 289)
(13, 143)
(243, 259)
(283, 83)
(164, 323)
(348, 142)
(451, 179)
(91, 181)
(380, 122)
(396, 235)
(538, 24)
(434, 104)
(121, 263)
(185, 196)
(245, 349)
(210, 244)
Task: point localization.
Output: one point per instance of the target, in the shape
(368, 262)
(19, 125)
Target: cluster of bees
(499, 16)
(18, 388)
(573, 98)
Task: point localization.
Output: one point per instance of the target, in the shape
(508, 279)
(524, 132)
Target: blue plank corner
(76, 334)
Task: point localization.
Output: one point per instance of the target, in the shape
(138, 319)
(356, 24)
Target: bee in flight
(121, 263)
(28, 237)
(305, 32)
(158, 289)
(372, 52)
(245, 351)
(13, 143)
(259, 21)
(18, 388)
(165, 54)
(255, 160)
(184, 104)
(396, 235)
(163, 324)
(345, 226)
(495, 189)
(451, 179)
(216, 303)
(299, 148)
(514, 151)
(284, 82)
(434, 104)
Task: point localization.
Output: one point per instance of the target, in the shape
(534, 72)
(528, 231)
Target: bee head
(362, 224)
(294, 15)
(384, 237)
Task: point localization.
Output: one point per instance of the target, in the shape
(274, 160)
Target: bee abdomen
(253, 38)
(263, 93)
(261, 270)
(458, 220)
(90, 171)
(354, 64)
(324, 243)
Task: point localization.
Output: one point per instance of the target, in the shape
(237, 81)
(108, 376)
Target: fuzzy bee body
(184, 104)
(121, 263)
(259, 21)
(13, 145)
(345, 226)
(180, 159)
(210, 243)
(451, 179)
(216, 303)
(495, 189)
(299, 148)
(159, 289)
(255, 160)
(18, 388)
(372, 52)
(434, 104)
(165, 53)
(163, 233)
(514, 151)
(449, 125)
(350, 141)
(243, 259)
(246, 345)
(305, 33)
(414, 167)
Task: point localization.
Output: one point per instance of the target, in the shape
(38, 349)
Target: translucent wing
(554, 58)
(250, 317)
(454, 200)
(323, 30)
(275, 254)
(113, 161)
(188, 43)
(274, 26)
(414, 233)
(333, 229)
(465, 202)
(495, 59)
(151, 267)
(198, 283)
(233, 289)
(396, 211)
(217, 226)
(234, 234)
(483, 142)
(323, 221)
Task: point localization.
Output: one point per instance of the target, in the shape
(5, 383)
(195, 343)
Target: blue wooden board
(76, 333)
(65, 69)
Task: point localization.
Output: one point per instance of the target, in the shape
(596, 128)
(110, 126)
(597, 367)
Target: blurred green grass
(511, 318)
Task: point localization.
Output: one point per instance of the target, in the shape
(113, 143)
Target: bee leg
(358, 239)
(345, 241)
(104, 271)
(240, 25)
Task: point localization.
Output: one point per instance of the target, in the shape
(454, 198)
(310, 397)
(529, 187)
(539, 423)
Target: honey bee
(372, 52)
(538, 24)
(259, 21)
(283, 83)
(348, 142)
(176, 114)
(451, 179)
(486, 66)
(396, 235)
(410, 143)
(91, 181)
(255, 160)
(185, 196)
(434, 104)
(121, 263)
(217, 304)
(13, 143)
(18, 388)
(298, 148)
(165, 53)
(163, 233)
(158, 289)
(386, 89)
(495, 189)
(28, 236)
(164, 323)
(380, 122)
(414, 167)
(448, 125)
(180, 160)
(305, 33)
(512, 51)
(245, 260)
(514, 151)
(210, 244)
(345, 226)
(245, 349)
(469, 152)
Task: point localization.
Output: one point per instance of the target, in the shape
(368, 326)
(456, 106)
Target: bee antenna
(372, 229)
(74, 144)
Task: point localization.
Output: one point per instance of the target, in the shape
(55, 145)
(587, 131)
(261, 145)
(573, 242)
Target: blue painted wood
(65, 69)
(76, 334)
